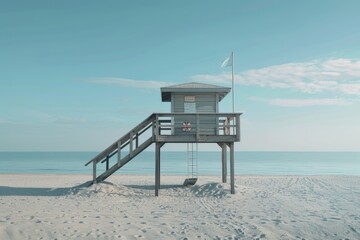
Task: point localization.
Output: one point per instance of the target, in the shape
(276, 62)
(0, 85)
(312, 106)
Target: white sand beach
(279, 207)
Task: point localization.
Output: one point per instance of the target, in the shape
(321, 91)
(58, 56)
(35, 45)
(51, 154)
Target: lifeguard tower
(194, 119)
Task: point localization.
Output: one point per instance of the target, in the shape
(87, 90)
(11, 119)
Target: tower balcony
(196, 127)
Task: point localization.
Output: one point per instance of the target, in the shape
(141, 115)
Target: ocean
(176, 163)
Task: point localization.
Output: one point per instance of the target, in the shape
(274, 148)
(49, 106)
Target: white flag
(227, 62)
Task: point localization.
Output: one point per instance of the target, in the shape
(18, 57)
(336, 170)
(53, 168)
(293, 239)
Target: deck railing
(197, 125)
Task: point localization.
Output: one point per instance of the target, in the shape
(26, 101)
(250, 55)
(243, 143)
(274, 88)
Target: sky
(76, 75)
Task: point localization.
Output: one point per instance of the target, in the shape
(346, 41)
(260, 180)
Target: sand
(124, 207)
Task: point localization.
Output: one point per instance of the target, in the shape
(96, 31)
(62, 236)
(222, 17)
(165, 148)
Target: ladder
(192, 164)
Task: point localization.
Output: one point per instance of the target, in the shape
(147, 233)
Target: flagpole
(232, 75)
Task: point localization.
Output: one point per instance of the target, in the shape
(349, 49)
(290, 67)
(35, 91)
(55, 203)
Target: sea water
(176, 163)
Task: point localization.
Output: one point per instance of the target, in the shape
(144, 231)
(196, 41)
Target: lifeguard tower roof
(193, 87)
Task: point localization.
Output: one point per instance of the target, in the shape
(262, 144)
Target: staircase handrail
(123, 139)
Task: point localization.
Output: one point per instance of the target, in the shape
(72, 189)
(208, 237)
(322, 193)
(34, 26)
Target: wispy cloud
(286, 102)
(339, 75)
(131, 83)
(69, 121)
(45, 117)
(7, 121)
(309, 102)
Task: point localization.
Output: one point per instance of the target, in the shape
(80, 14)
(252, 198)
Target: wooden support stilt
(224, 162)
(232, 172)
(157, 168)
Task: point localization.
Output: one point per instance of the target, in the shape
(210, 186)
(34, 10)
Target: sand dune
(282, 207)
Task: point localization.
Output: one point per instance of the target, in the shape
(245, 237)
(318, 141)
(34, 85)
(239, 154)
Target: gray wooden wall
(205, 103)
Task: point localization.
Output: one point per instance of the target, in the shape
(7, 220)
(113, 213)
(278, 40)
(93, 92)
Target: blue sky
(76, 75)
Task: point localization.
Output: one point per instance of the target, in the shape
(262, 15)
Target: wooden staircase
(161, 128)
(135, 143)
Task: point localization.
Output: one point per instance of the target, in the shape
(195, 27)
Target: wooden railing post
(107, 162)
(94, 172)
(157, 128)
(119, 153)
(137, 140)
(131, 143)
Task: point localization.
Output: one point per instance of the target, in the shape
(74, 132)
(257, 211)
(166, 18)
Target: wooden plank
(194, 139)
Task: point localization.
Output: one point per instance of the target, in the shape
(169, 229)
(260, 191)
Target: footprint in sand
(260, 237)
